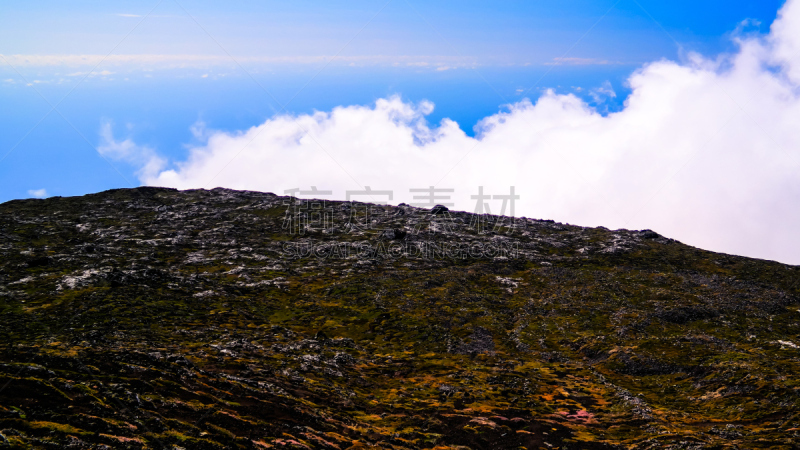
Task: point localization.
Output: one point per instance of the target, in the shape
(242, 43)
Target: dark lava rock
(153, 318)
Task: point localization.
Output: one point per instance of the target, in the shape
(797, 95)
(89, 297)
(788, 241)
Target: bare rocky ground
(156, 318)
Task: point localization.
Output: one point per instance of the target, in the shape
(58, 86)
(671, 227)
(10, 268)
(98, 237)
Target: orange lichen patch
(337, 437)
(713, 395)
(123, 439)
(483, 421)
(289, 443)
(485, 409)
(313, 438)
(581, 416)
(371, 417)
(57, 427)
(447, 415)
(361, 446)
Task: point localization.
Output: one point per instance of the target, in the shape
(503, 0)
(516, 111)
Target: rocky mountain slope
(156, 318)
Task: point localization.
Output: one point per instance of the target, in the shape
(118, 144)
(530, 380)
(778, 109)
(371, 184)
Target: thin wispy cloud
(573, 61)
(199, 60)
(101, 73)
(144, 157)
(38, 193)
(164, 61)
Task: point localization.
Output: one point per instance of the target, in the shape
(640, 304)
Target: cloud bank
(143, 157)
(38, 193)
(706, 151)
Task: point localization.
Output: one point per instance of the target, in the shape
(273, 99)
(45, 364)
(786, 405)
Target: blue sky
(505, 50)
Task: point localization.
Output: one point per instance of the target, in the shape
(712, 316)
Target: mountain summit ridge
(158, 318)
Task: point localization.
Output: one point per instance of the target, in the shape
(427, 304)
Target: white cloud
(602, 93)
(38, 193)
(102, 73)
(199, 130)
(128, 15)
(785, 40)
(706, 151)
(145, 158)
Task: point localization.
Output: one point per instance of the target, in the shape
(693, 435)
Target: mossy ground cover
(154, 318)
